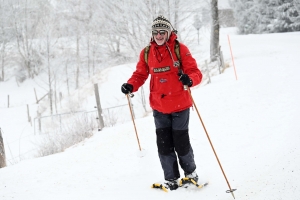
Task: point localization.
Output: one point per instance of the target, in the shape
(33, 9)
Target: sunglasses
(161, 32)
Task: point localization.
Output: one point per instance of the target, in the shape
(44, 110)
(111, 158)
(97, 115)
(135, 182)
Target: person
(169, 98)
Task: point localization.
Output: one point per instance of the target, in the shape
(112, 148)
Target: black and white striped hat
(161, 23)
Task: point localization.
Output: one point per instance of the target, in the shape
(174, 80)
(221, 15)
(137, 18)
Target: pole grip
(180, 73)
(131, 95)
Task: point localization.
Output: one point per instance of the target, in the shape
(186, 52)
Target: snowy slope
(252, 122)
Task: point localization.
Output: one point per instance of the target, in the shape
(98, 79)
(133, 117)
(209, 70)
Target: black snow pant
(172, 136)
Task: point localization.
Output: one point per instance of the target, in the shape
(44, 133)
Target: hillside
(252, 122)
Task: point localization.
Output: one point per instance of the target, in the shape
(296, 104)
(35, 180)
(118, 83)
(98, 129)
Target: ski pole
(131, 112)
(230, 190)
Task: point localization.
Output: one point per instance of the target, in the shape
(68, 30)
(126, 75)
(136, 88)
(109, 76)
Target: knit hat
(162, 23)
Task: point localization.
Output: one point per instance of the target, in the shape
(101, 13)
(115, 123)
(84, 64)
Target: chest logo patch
(163, 80)
(161, 69)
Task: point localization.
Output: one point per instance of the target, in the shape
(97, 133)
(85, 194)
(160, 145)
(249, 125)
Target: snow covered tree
(245, 13)
(296, 20)
(95, 33)
(265, 16)
(286, 16)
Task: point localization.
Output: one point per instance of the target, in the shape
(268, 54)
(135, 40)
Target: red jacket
(166, 91)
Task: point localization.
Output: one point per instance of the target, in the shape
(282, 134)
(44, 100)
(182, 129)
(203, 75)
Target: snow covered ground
(253, 123)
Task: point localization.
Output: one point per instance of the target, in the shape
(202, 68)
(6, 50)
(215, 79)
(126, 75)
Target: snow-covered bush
(57, 141)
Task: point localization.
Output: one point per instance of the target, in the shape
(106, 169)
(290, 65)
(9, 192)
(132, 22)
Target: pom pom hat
(162, 23)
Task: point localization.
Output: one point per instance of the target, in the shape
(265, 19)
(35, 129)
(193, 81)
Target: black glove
(126, 88)
(185, 79)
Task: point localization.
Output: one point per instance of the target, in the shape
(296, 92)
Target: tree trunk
(49, 75)
(176, 25)
(2, 63)
(214, 40)
(88, 54)
(78, 62)
(67, 77)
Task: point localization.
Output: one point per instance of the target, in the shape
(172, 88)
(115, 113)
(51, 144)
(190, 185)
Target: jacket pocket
(172, 102)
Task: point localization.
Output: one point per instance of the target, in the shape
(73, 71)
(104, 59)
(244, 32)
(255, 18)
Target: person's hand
(126, 88)
(185, 79)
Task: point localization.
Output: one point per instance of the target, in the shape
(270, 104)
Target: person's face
(160, 36)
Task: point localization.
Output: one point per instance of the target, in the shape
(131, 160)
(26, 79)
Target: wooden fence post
(219, 59)
(2, 152)
(222, 60)
(28, 115)
(39, 121)
(100, 117)
(207, 72)
(60, 98)
(35, 96)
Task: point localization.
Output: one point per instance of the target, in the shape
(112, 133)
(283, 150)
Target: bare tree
(5, 35)
(26, 18)
(48, 34)
(78, 17)
(94, 33)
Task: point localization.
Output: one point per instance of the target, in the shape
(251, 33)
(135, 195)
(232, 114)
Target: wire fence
(58, 122)
(27, 144)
